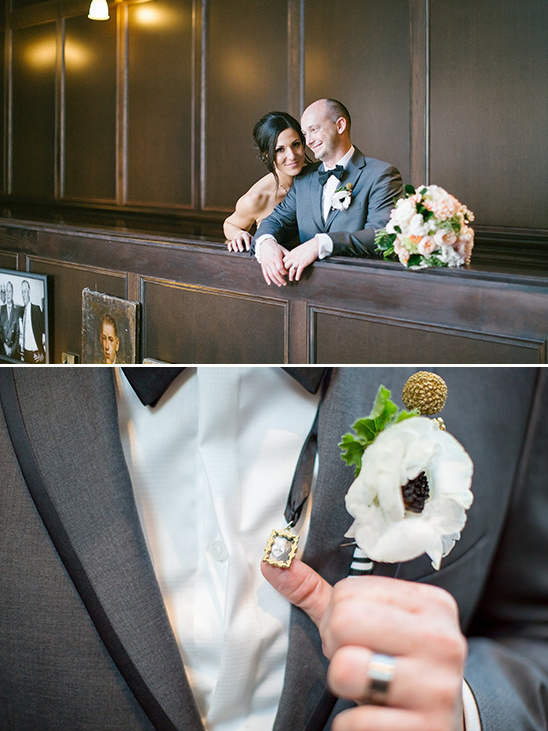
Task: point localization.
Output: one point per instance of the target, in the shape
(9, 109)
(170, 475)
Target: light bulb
(98, 10)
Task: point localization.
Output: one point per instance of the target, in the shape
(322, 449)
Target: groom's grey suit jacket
(298, 218)
(85, 641)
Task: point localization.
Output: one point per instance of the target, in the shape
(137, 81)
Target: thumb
(302, 586)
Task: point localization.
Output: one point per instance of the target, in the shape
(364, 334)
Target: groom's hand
(296, 260)
(417, 624)
(272, 262)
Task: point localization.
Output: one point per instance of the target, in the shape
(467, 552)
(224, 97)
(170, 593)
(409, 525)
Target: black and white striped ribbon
(361, 564)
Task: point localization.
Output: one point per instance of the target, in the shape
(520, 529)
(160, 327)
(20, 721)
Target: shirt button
(218, 551)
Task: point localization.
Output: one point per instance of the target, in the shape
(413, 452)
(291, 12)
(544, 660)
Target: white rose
(450, 257)
(383, 527)
(404, 211)
(390, 226)
(417, 226)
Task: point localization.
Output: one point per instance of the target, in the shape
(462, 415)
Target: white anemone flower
(385, 528)
(341, 198)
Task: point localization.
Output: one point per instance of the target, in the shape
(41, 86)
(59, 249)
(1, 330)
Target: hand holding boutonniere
(342, 197)
(412, 484)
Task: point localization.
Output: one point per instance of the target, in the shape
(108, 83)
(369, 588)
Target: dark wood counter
(202, 304)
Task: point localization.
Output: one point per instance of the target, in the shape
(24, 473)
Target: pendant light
(98, 10)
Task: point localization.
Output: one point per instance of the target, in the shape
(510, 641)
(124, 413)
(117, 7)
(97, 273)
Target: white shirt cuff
(258, 245)
(325, 246)
(471, 714)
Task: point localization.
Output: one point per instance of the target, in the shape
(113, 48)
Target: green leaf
(383, 414)
(403, 415)
(352, 451)
(409, 189)
(384, 244)
(414, 260)
(383, 409)
(425, 212)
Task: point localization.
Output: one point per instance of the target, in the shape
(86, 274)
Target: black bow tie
(337, 171)
(150, 383)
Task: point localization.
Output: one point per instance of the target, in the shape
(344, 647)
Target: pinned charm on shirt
(281, 548)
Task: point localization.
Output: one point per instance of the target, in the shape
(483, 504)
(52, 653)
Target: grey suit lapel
(88, 484)
(352, 174)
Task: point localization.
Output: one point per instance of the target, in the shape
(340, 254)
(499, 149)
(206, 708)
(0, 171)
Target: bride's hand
(240, 242)
(272, 265)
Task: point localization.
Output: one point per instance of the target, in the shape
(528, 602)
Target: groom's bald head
(326, 126)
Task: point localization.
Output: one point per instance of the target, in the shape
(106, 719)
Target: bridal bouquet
(428, 227)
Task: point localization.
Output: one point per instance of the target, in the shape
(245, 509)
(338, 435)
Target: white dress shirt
(211, 467)
(332, 183)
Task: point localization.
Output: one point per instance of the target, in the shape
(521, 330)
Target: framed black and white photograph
(24, 330)
(110, 329)
(281, 548)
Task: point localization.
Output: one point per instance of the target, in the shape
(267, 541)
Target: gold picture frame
(110, 329)
(281, 548)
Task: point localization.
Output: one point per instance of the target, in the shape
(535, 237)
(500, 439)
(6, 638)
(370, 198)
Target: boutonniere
(412, 484)
(342, 197)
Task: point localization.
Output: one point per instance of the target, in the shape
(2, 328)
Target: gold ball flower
(426, 392)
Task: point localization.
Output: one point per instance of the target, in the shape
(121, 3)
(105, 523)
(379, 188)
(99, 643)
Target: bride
(281, 145)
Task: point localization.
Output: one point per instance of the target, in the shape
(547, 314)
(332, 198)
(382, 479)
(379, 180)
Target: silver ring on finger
(380, 674)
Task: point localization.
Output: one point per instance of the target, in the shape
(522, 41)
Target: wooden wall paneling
(18, 239)
(245, 77)
(488, 307)
(8, 260)
(419, 91)
(204, 304)
(191, 262)
(351, 338)
(160, 103)
(4, 57)
(121, 103)
(295, 30)
(489, 108)
(358, 53)
(199, 104)
(89, 110)
(298, 326)
(65, 290)
(33, 113)
(19, 4)
(186, 324)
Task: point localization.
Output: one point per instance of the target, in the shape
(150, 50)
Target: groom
(131, 538)
(334, 207)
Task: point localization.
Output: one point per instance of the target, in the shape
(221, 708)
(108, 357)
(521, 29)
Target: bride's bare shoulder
(260, 195)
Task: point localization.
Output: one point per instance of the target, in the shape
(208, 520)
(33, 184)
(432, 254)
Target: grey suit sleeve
(385, 190)
(281, 223)
(507, 667)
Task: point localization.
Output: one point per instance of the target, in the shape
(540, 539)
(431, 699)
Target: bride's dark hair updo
(266, 133)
